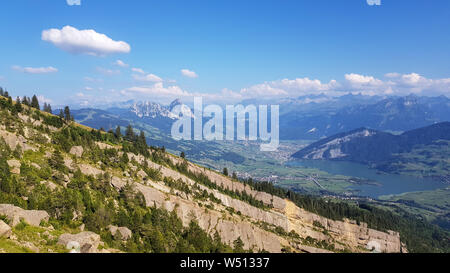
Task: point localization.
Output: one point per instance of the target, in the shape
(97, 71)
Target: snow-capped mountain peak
(153, 110)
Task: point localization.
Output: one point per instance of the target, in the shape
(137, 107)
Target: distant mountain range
(396, 114)
(383, 149)
(315, 116)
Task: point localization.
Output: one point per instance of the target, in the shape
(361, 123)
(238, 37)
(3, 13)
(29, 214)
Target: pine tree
(35, 102)
(25, 101)
(18, 105)
(225, 171)
(118, 132)
(67, 115)
(61, 114)
(183, 155)
(1, 91)
(142, 139)
(56, 161)
(47, 108)
(129, 133)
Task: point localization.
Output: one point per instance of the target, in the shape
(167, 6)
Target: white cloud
(138, 70)
(147, 78)
(394, 84)
(73, 2)
(157, 90)
(188, 73)
(413, 79)
(265, 89)
(43, 99)
(35, 70)
(88, 41)
(401, 84)
(361, 80)
(374, 2)
(87, 88)
(120, 63)
(289, 88)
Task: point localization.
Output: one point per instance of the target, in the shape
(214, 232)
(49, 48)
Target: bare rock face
(77, 151)
(120, 233)
(52, 186)
(152, 196)
(5, 230)
(84, 242)
(118, 183)
(36, 166)
(142, 174)
(346, 231)
(15, 166)
(229, 228)
(89, 170)
(31, 217)
(104, 146)
(13, 140)
(30, 246)
(68, 162)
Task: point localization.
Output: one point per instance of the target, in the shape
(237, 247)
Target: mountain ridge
(369, 146)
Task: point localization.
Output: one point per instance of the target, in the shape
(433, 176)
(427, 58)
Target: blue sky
(232, 49)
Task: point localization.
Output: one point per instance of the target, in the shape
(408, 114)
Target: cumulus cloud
(392, 84)
(43, 99)
(87, 41)
(361, 80)
(289, 88)
(188, 73)
(401, 84)
(157, 90)
(35, 70)
(73, 2)
(147, 78)
(120, 63)
(398, 84)
(138, 70)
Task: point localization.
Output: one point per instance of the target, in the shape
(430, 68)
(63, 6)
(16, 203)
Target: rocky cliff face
(285, 214)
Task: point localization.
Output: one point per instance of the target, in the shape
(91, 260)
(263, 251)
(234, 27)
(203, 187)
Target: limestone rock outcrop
(15, 214)
(14, 165)
(13, 140)
(89, 170)
(84, 242)
(120, 233)
(5, 230)
(77, 151)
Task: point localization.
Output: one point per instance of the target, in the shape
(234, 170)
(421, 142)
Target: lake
(388, 183)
